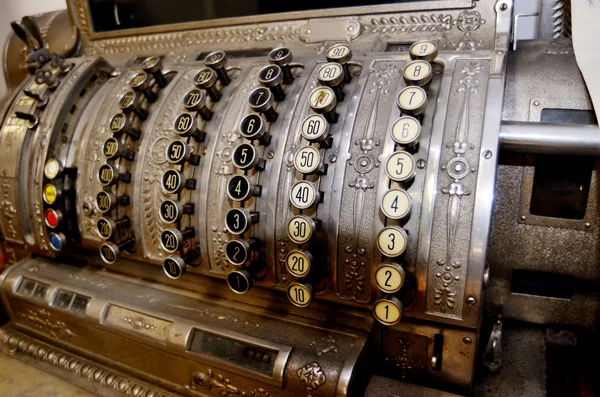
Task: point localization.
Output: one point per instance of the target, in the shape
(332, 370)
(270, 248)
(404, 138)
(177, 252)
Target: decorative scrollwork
(411, 24)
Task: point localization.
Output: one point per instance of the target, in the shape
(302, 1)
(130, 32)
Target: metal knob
(217, 61)
(108, 201)
(239, 188)
(271, 77)
(332, 75)
(195, 100)
(114, 149)
(121, 124)
(207, 78)
(175, 266)
(172, 240)
(110, 252)
(141, 83)
(323, 100)
(282, 57)
(253, 128)
(238, 252)
(245, 157)
(179, 152)
(108, 175)
(132, 102)
(153, 65)
(239, 220)
(186, 125)
(107, 227)
(261, 100)
(342, 54)
(171, 211)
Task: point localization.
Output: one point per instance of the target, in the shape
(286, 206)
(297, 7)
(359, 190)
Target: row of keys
(179, 152)
(400, 167)
(133, 107)
(242, 252)
(309, 160)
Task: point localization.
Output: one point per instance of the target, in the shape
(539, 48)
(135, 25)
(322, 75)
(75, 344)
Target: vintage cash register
(264, 199)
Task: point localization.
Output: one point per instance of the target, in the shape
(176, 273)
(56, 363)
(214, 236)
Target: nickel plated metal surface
(135, 318)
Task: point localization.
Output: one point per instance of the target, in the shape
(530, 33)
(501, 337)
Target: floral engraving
(468, 21)
(42, 320)
(312, 376)
(457, 168)
(411, 24)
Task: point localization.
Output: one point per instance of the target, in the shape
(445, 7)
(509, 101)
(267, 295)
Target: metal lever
(22, 33)
(492, 356)
(34, 29)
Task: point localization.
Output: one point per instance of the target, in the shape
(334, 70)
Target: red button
(51, 218)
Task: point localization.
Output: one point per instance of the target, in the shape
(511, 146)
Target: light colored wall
(15, 10)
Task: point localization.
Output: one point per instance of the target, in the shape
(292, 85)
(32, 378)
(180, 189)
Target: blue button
(56, 242)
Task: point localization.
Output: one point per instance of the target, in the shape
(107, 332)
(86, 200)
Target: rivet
(523, 217)
(536, 103)
(487, 154)
(467, 340)
(471, 300)
(588, 225)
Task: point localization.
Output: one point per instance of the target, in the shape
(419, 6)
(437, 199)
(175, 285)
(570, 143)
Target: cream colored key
(388, 311)
(303, 195)
(390, 277)
(412, 100)
(425, 50)
(417, 73)
(406, 131)
(307, 160)
(301, 228)
(396, 204)
(391, 241)
(300, 294)
(400, 166)
(299, 262)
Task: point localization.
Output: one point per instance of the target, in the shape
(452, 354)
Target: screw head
(467, 340)
(471, 301)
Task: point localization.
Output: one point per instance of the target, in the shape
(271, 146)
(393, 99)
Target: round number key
(237, 252)
(388, 311)
(425, 50)
(307, 160)
(174, 267)
(391, 241)
(245, 157)
(303, 195)
(179, 152)
(171, 211)
(417, 73)
(253, 127)
(300, 294)
(172, 182)
(323, 100)
(271, 76)
(390, 277)
(332, 75)
(195, 100)
(412, 100)
(396, 204)
(400, 166)
(52, 169)
(239, 281)
(301, 228)
(50, 194)
(238, 220)
(261, 100)
(315, 128)
(172, 240)
(239, 188)
(299, 262)
(406, 131)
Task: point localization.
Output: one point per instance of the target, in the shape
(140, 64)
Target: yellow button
(50, 194)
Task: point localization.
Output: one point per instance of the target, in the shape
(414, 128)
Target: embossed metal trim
(66, 365)
(79, 9)
(140, 323)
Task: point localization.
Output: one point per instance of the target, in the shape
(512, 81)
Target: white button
(303, 195)
(400, 166)
(426, 50)
(298, 263)
(52, 169)
(321, 98)
(330, 71)
(417, 73)
(314, 127)
(396, 203)
(388, 311)
(391, 241)
(406, 130)
(390, 277)
(307, 160)
(411, 100)
(300, 229)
